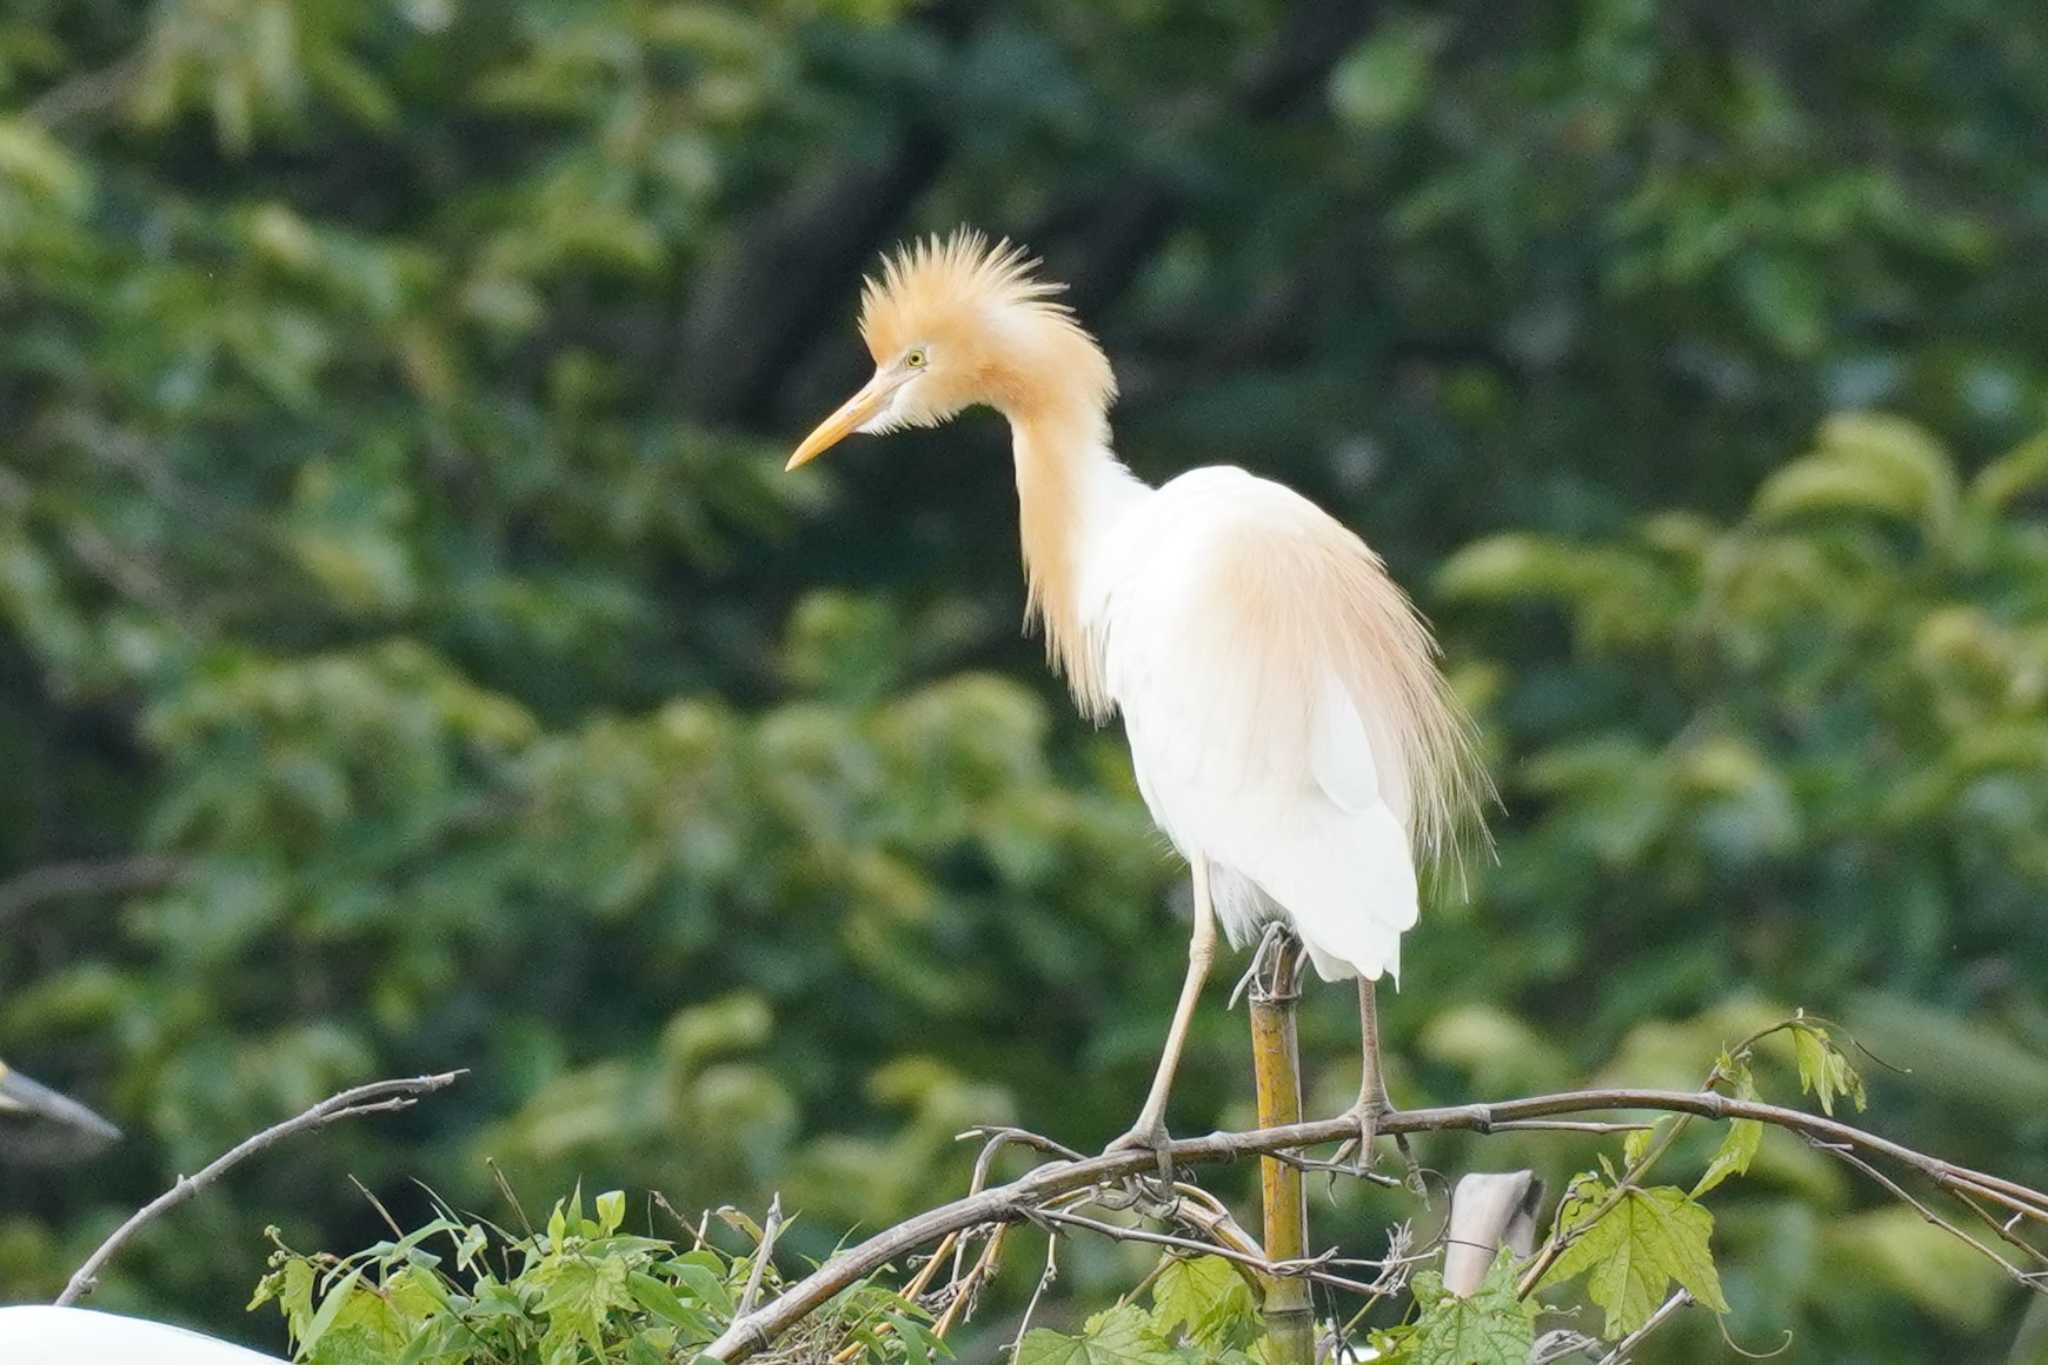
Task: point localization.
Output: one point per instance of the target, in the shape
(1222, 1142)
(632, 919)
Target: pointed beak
(20, 1095)
(853, 414)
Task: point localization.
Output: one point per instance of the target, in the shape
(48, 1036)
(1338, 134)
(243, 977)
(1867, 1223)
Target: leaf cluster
(462, 1291)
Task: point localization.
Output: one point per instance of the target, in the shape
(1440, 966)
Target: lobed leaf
(1633, 1253)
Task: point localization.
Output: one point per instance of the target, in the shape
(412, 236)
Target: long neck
(1070, 488)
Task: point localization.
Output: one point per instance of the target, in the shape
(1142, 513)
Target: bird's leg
(1149, 1132)
(1373, 1101)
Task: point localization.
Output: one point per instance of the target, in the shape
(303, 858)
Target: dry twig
(379, 1097)
(762, 1253)
(1619, 1355)
(60, 881)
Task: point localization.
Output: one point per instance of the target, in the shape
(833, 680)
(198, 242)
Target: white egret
(1290, 729)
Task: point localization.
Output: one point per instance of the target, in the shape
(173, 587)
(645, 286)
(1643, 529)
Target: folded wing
(1286, 717)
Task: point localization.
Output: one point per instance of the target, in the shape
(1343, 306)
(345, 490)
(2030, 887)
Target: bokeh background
(412, 655)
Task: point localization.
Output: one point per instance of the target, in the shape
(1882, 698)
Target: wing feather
(1286, 717)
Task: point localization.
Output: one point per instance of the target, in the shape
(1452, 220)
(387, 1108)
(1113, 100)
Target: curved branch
(379, 1097)
(1016, 1201)
(61, 881)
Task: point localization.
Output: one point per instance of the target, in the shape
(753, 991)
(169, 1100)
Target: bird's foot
(1368, 1114)
(1148, 1135)
(1359, 1150)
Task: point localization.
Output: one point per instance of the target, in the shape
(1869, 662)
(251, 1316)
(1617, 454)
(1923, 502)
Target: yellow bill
(852, 415)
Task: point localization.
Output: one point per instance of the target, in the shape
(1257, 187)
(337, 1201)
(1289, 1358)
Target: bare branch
(1045, 1279)
(2033, 1279)
(762, 1254)
(379, 1097)
(89, 95)
(65, 881)
(1309, 1268)
(1020, 1199)
(1619, 1355)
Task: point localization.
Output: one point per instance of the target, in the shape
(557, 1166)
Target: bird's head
(956, 322)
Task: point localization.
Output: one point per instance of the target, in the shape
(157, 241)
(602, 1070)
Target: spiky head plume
(990, 325)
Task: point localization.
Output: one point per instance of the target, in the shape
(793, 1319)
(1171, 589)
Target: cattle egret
(1289, 727)
(38, 1125)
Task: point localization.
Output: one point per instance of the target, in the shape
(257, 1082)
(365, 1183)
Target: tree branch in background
(67, 881)
(1054, 1184)
(379, 1097)
(1117, 232)
(759, 306)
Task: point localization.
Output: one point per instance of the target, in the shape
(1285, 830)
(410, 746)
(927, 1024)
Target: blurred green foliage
(394, 556)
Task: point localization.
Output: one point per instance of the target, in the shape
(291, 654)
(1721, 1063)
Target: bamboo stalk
(1276, 1066)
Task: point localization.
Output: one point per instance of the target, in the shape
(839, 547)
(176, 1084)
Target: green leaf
(1786, 297)
(558, 1226)
(2012, 477)
(1869, 463)
(611, 1211)
(330, 1309)
(1631, 1255)
(1492, 1327)
(919, 1345)
(1637, 1145)
(699, 1279)
(1738, 1147)
(1824, 1069)
(267, 1288)
(1117, 1337)
(1386, 78)
(1201, 1299)
(658, 1299)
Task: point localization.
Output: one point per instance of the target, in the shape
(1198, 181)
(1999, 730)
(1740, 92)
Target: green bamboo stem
(1276, 1067)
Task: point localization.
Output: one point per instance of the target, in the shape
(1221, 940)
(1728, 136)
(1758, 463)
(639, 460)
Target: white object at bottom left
(38, 1335)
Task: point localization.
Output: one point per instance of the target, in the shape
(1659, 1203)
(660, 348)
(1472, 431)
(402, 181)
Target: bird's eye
(916, 359)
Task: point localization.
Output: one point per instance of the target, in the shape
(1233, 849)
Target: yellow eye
(916, 359)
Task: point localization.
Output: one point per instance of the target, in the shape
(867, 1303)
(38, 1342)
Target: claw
(1152, 1138)
(1367, 1116)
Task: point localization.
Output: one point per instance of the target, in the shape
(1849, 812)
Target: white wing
(1285, 715)
(35, 1335)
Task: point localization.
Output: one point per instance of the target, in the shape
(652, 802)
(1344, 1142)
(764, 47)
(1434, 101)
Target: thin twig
(512, 1196)
(1306, 1269)
(2005, 1229)
(696, 1233)
(965, 1290)
(1619, 1355)
(1045, 1278)
(1392, 1278)
(397, 1232)
(62, 881)
(1344, 1168)
(1568, 1126)
(379, 1097)
(2031, 1279)
(90, 92)
(762, 1252)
